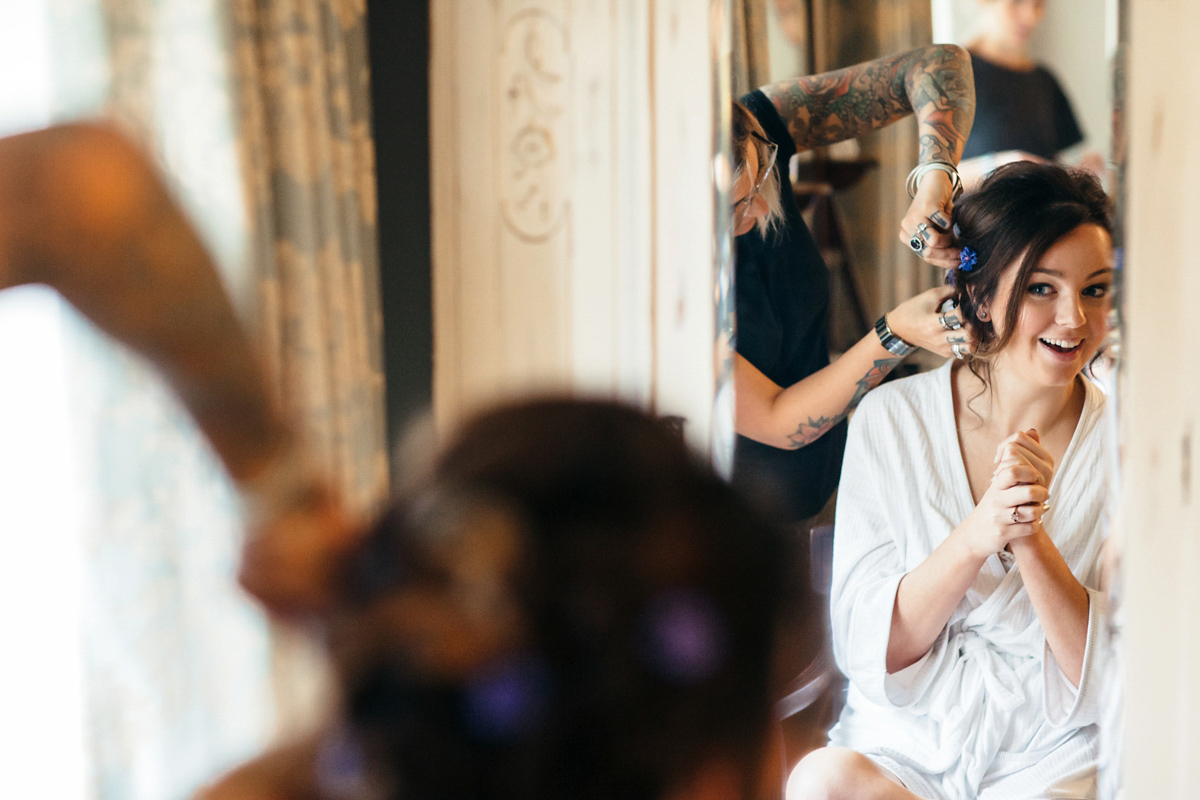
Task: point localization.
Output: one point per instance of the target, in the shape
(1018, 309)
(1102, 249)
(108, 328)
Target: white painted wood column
(1161, 406)
(573, 204)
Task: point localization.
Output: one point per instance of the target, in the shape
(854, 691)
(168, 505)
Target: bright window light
(41, 675)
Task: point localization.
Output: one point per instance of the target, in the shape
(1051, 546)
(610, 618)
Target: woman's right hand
(916, 322)
(1019, 486)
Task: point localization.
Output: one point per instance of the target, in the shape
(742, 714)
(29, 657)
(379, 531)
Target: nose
(1069, 311)
(758, 207)
(1030, 13)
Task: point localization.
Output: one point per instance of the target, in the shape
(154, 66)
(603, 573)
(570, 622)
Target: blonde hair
(745, 125)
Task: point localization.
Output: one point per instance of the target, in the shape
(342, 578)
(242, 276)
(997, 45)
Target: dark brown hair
(1019, 212)
(648, 592)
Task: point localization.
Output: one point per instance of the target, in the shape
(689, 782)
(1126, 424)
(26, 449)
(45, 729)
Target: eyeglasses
(765, 165)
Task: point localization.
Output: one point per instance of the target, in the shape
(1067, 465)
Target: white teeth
(1066, 344)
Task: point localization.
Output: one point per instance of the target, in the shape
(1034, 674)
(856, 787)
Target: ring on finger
(923, 231)
(949, 322)
(959, 351)
(1016, 515)
(917, 244)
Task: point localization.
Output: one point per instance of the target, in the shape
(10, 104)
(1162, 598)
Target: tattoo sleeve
(934, 83)
(814, 428)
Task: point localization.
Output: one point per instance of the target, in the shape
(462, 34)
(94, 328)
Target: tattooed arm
(794, 416)
(85, 212)
(933, 83)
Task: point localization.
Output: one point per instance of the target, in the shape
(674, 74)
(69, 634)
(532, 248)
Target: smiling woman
(966, 610)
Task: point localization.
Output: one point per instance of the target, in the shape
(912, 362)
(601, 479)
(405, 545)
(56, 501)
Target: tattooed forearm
(813, 429)
(935, 83)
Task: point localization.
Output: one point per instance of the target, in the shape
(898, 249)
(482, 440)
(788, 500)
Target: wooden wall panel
(573, 205)
(1161, 407)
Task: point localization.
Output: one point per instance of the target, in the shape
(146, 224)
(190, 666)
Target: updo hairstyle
(1019, 212)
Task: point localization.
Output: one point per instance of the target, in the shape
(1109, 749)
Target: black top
(1019, 110)
(782, 293)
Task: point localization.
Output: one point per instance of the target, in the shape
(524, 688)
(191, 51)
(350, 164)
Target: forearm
(934, 82)
(940, 87)
(795, 416)
(1059, 600)
(86, 214)
(926, 598)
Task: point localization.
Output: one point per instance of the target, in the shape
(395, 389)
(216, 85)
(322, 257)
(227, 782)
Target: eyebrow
(1058, 274)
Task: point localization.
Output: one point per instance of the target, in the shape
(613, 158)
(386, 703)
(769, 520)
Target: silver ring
(947, 324)
(921, 229)
(917, 244)
(1015, 514)
(959, 351)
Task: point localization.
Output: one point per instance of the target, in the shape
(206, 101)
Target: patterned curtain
(750, 63)
(257, 111)
(308, 161)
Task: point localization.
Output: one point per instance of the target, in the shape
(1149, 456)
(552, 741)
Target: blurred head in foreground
(569, 605)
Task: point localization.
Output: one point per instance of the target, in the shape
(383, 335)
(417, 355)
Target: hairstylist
(791, 401)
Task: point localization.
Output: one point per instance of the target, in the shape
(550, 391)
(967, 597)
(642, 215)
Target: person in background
(1021, 110)
(84, 211)
(568, 604)
(966, 606)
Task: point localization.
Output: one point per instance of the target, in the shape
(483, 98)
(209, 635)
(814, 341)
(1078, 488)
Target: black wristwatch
(890, 341)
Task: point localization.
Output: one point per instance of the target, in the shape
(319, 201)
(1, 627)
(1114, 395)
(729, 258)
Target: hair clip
(967, 258)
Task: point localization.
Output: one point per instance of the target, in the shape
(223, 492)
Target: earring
(982, 314)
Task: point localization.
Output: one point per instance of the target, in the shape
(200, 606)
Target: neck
(1003, 52)
(1010, 403)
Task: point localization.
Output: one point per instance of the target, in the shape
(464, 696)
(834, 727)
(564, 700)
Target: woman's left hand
(928, 220)
(1024, 448)
(918, 321)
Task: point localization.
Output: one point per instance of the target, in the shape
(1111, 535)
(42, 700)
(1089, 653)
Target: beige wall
(573, 203)
(1161, 411)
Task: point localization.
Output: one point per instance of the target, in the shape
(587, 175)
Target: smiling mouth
(1062, 345)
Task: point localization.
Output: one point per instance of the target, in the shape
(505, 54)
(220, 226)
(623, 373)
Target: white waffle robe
(987, 712)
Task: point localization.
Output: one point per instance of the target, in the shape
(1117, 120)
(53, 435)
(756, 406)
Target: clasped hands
(1012, 507)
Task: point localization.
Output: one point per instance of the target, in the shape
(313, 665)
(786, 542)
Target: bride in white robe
(969, 526)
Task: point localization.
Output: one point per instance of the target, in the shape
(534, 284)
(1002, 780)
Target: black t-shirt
(781, 286)
(1019, 110)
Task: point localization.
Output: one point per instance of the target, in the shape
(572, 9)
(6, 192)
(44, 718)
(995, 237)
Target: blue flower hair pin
(967, 258)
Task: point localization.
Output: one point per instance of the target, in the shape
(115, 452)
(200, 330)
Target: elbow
(79, 184)
(94, 183)
(772, 438)
(107, 175)
(947, 52)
